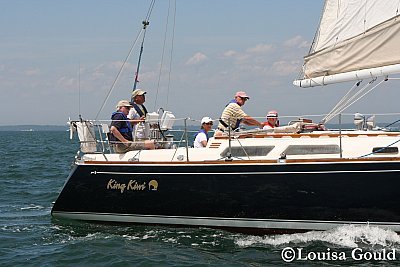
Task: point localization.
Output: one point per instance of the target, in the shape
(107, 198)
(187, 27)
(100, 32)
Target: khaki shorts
(122, 148)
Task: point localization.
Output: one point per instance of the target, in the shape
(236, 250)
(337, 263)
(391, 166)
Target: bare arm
(136, 121)
(251, 121)
(117, 134)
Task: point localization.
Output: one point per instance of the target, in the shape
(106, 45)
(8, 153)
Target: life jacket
(270, 125)
(237, 121)
(128, 127)
(201, 131)
(139, 110)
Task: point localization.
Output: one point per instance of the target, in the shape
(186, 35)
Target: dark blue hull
(244, 197)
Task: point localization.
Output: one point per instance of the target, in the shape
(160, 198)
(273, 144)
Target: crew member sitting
(201, 137)
(121, 137)
(272, 120)
(121, 129)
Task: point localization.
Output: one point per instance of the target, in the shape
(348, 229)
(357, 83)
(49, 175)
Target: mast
(145, 24)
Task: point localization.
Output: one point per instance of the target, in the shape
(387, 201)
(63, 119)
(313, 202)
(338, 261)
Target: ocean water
(33, 170)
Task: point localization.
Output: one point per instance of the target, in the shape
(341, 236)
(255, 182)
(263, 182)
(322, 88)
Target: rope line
(171, 55)
(162, 57)
(125, 61)
(366, 155)
(348, 101)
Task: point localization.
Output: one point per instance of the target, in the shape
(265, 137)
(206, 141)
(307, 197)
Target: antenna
(79, 89)
(145, 24)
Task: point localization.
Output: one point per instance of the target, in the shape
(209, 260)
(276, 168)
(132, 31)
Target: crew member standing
(138, 112)
(233, 115)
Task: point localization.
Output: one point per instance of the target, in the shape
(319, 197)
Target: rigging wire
(340, 102)
(171, 54)
(351, 100)
(119, 74)
(125, 61)
(79, 89)
(162, 56)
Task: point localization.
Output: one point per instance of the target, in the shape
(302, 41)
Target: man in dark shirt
(121, 129)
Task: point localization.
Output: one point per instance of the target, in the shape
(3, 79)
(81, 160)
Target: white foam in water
(32, 207)
(346, 236)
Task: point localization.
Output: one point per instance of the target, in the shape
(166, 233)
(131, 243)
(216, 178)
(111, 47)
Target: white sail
(354, 35)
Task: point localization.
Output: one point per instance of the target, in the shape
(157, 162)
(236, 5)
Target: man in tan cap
(121, 137)
(121, 129)
(233, 115)
(138, 113)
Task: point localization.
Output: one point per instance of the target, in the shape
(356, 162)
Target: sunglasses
(244, 98)
(209, 123)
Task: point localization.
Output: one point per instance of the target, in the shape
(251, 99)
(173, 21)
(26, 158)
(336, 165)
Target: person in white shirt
(138, 112)
(137, 115)
(201, 137)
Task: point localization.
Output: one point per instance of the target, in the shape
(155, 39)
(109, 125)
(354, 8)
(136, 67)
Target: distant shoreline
(33, 128)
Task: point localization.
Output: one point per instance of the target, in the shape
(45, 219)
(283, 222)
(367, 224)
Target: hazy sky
(220, 47)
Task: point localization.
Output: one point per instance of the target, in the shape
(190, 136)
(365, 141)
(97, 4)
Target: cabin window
(385, 150)
(312, 149)
(244, 151)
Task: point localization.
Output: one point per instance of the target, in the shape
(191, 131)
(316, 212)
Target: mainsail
(356, 39)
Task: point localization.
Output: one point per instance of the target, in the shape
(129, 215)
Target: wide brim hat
(272, 114)
(123, 103)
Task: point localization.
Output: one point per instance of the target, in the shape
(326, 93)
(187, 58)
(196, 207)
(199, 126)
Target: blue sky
(220, 47)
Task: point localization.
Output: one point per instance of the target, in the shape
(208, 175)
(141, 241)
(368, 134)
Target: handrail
(101, 144)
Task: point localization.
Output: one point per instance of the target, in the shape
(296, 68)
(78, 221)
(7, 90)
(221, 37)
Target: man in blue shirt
(121, 129)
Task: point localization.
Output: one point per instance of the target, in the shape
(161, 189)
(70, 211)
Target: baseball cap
(138, 92)
(242, 94)
(206, 120)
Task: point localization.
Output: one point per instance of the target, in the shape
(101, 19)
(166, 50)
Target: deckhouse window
(244, 151)
(385, 150)
(312, 149)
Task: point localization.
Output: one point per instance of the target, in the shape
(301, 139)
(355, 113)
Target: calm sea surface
(33, 170)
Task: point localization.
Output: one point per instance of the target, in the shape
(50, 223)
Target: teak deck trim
(325, 160)
(294, 135)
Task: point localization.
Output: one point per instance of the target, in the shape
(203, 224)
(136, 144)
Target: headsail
(356, 39)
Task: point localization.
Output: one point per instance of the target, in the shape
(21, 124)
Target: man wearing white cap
(233, 115)
(201, 137)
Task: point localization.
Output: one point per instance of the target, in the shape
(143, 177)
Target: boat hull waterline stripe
(219, 222)
(244, 173)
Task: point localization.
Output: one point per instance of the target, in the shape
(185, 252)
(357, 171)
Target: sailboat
(293, 178)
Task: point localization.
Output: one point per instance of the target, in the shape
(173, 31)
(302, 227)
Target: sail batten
(354, 35)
